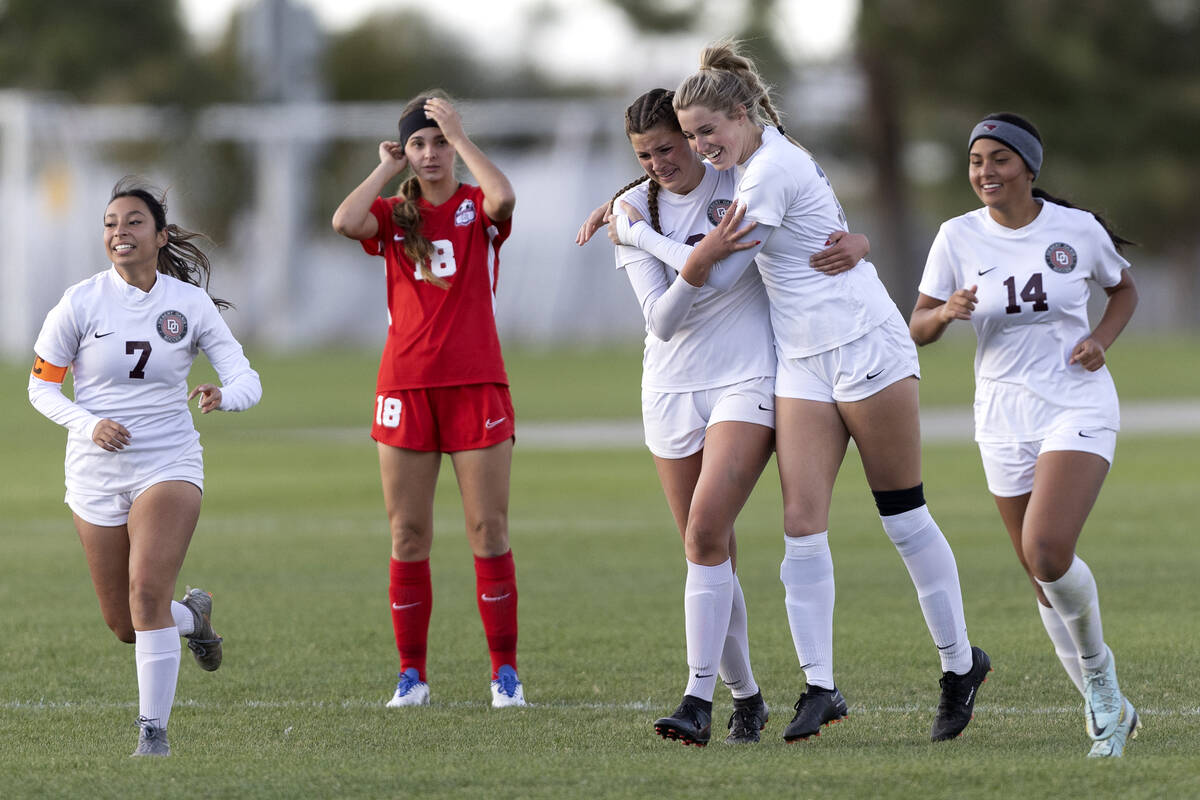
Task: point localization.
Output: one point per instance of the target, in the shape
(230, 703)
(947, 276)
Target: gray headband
(1016, 138)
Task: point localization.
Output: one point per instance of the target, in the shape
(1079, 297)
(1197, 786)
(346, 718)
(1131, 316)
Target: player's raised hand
(392, 154)
(442, 111)
(594, 222)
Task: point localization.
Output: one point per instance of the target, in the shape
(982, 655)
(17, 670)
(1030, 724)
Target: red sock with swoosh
(496, 594)
(411, 592)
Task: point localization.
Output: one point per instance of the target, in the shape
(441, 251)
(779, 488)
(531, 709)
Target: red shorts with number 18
(445, 419)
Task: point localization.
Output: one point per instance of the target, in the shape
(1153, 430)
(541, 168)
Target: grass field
(293, 543)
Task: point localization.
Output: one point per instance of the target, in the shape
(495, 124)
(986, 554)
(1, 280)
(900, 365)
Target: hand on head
(392, 153)
(442, 112)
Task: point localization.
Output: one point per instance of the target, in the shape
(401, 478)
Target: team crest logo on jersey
(465, 214)
(1060, 257)
(172, 326)
(717, 209)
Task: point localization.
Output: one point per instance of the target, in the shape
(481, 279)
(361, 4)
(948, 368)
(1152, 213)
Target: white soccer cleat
(410, 690)
(1127, 728)
(1103, 704)
(506, 689)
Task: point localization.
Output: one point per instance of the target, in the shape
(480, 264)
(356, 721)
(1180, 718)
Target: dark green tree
(99, 51)
(1114, 88)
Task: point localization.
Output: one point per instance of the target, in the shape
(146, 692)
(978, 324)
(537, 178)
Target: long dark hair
(1016, 119)
(407, 216)
(180, 257)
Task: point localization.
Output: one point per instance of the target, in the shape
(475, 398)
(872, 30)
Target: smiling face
(999, 176)
(430, 155)
(664, 155)
(725, 140)
(130, 237)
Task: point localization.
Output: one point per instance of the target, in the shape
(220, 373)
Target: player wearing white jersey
(847, 369)
(1046, 413)
(134, 472)
(707, 403)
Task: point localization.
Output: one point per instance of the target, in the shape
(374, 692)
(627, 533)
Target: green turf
(293, 542)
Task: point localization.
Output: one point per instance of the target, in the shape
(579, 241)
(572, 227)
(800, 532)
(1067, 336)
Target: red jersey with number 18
(441, 337)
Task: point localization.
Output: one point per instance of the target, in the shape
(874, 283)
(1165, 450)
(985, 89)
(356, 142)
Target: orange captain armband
(47, 371)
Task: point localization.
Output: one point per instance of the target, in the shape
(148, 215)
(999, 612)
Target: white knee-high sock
(707, 602)
(807, 576)
(157, 656)
(1064, 647)
(735, 657)
(1075, 599)
(934, 573)
(185, 622)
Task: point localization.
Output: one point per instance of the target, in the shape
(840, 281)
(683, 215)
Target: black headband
(414, 121)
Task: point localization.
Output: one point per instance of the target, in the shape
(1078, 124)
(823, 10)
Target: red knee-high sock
(411, 592)
(496, 594)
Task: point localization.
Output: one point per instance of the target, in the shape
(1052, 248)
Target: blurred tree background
(1114, 87)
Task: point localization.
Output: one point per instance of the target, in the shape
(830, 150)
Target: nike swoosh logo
(698, 675)
(1086, 435)
(102, 335)
(760, 408)
(873, 375)
(986, 271)
(400, 607)
(489, 424)
(397, 237)
(1097, 731)
(489, 599)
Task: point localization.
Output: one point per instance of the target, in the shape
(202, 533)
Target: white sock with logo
(934, 573)
(707, 603)
(735, 657)
(1075, 598)
(156, 654)
(807, 577)
(1064, 647)
(185, 621)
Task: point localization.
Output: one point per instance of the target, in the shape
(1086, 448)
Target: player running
(1046, 412)
(134, 471)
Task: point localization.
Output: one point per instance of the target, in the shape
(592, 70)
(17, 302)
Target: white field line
(633, 705)
(937, 425)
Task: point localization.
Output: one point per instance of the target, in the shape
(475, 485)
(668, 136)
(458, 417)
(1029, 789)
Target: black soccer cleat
(750, 715)
(957, 706)
(691, 723)
(817, 707)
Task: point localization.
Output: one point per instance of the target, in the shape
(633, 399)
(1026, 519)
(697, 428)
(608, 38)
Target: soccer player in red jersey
(442, 387)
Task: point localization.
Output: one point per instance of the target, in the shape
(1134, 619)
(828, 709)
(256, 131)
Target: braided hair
(651, 110)
(407, 216)
(1016, 119)
(180, 257)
